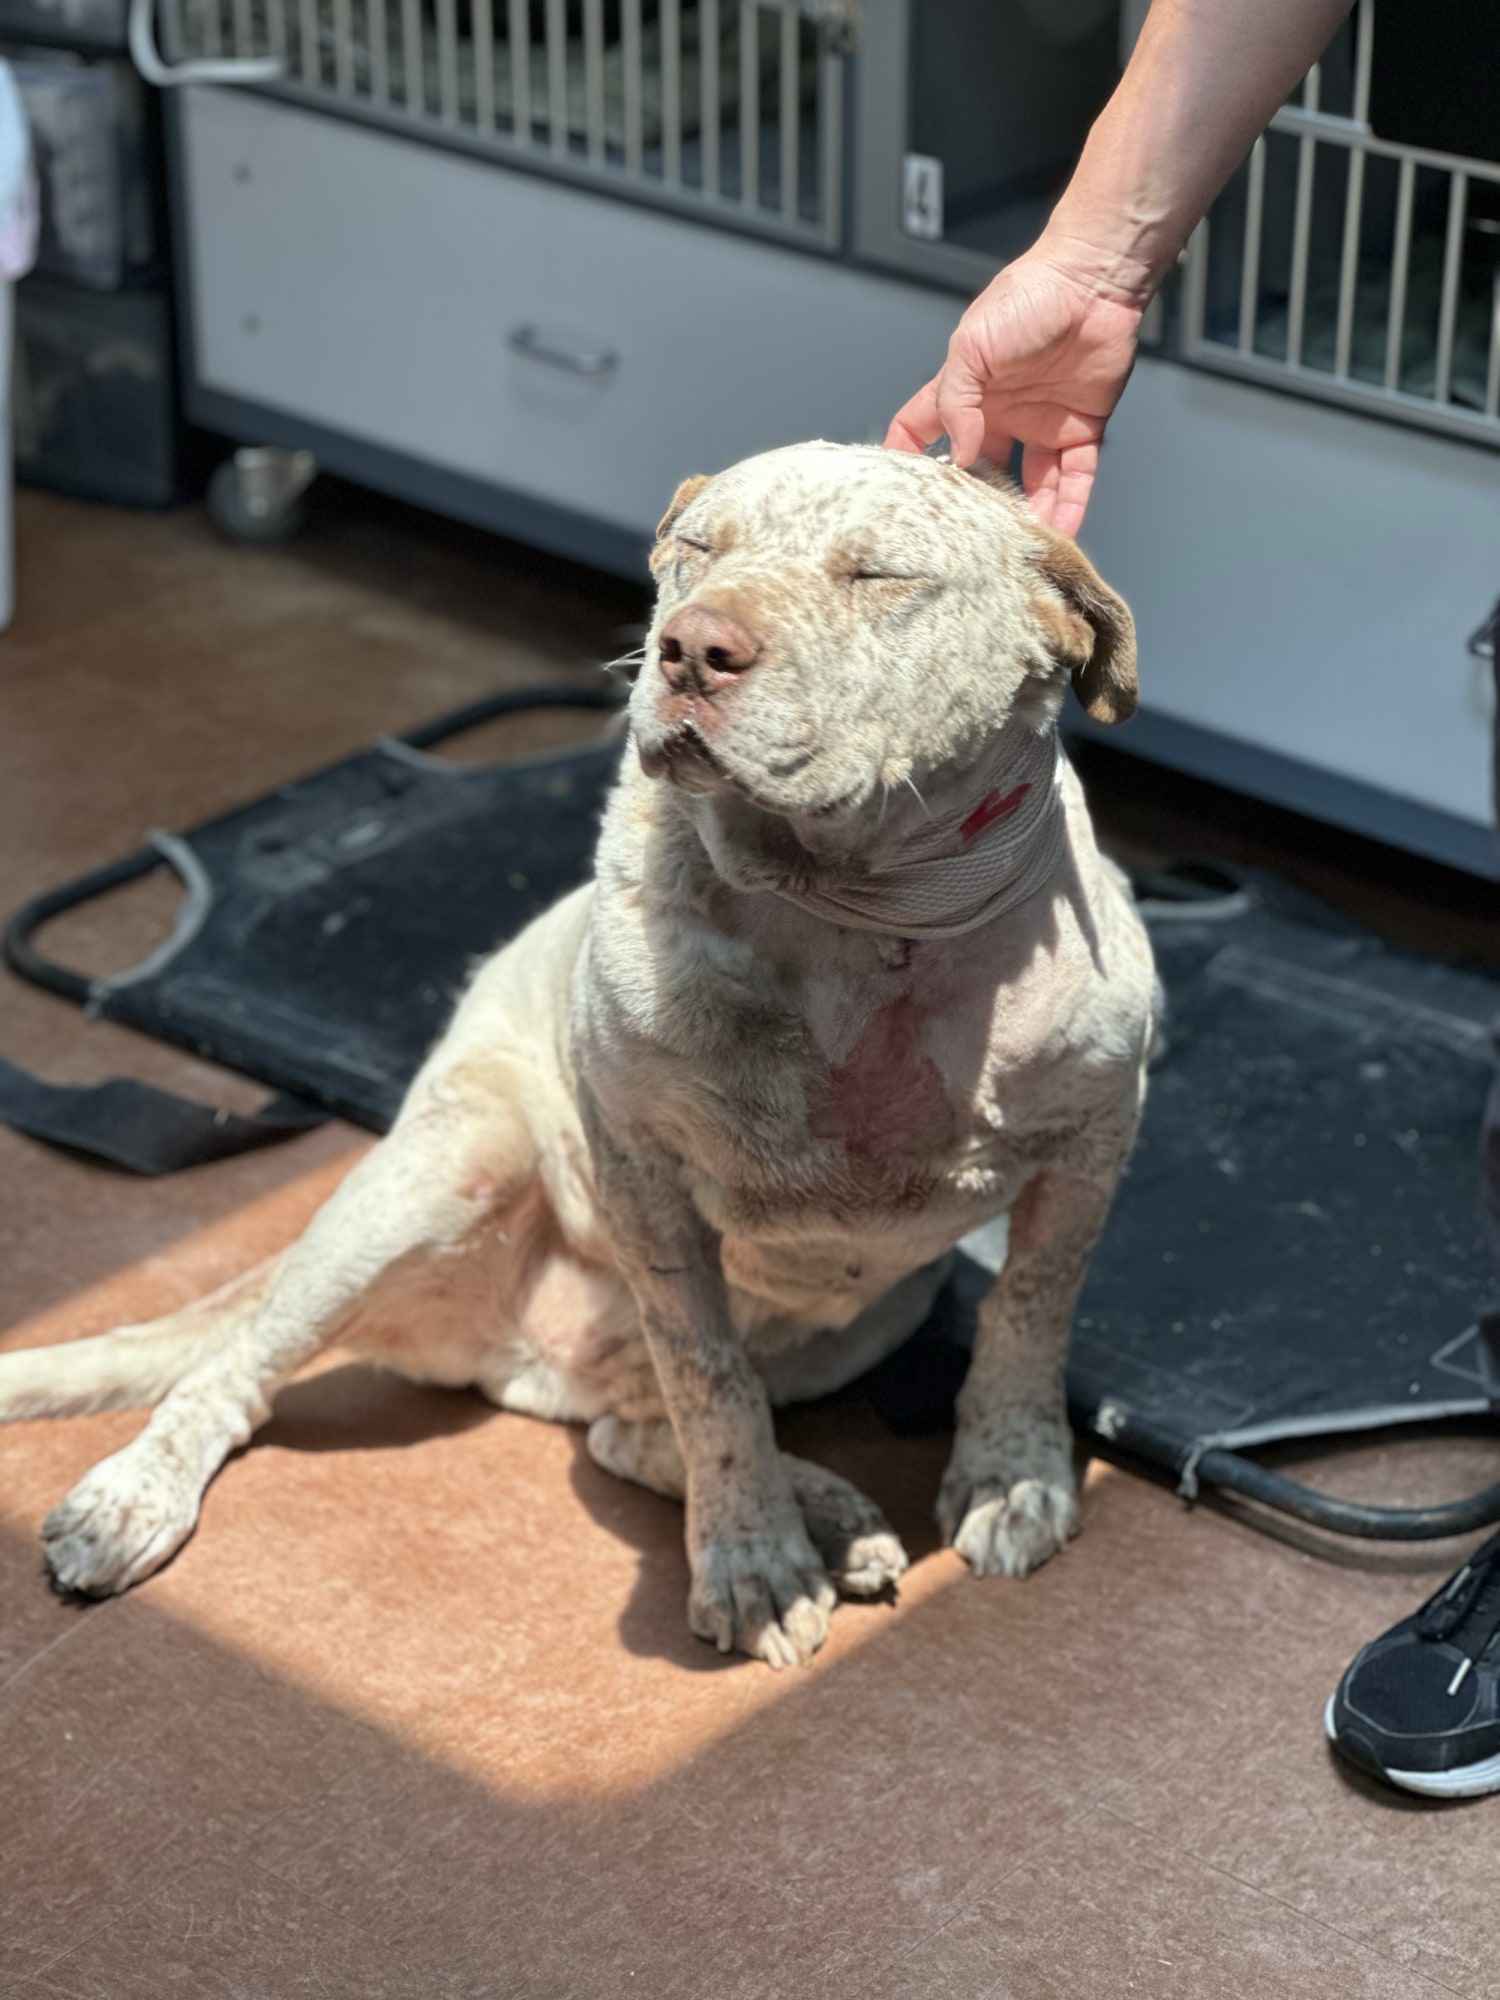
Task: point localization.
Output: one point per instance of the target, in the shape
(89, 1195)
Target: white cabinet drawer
(377, 286)
(1305, 580)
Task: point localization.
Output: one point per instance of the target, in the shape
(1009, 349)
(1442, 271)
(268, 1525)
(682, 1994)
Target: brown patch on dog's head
(682, 499)
(1089, 630)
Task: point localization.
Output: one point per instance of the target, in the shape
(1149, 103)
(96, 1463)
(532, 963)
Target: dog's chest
(883, 1092)
(888, 1137)
(800, 1069)
(899, 1059)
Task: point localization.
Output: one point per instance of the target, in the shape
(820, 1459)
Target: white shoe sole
(1468, 1781)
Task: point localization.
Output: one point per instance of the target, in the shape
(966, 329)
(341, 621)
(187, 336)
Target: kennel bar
(731, 110)
(1400, 263)
(710, 137)
(749, 58)
(789, 116)
(671, 92)
(631, 51)
(1296, 312)
(557, 76)
(593, 77)
(343, 44)
(1255, 195)
(1351, 267)
(1354, 199)
(447, 37)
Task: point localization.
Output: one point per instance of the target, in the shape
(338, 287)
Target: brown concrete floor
(415, 1712)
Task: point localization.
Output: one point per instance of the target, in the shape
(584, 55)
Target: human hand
(1040, 358)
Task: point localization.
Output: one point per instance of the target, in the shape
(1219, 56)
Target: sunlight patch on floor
(463, 1580)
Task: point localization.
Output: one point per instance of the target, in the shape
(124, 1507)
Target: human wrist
(1116, 271)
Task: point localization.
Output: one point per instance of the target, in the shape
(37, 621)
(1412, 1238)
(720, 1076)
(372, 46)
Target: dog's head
(834, 621)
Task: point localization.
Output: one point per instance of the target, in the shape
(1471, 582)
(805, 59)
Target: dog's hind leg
(858, 1547)
(419, 1193)
(131, 1367)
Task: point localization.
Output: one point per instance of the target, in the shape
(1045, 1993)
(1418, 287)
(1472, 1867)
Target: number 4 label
(922, 196)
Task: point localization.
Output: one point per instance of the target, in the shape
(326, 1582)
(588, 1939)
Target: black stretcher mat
(1297, 1248)
(326, 931)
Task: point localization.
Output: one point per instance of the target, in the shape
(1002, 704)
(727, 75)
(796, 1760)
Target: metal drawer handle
(563, 350)
(1482, 642)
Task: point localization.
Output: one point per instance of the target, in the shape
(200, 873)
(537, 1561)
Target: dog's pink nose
(703, 648)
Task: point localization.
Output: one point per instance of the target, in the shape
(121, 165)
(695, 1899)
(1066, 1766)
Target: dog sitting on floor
(851, 981)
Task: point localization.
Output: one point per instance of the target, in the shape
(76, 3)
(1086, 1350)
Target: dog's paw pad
(767, 1596)
(1012, 1530)
(114, 1529)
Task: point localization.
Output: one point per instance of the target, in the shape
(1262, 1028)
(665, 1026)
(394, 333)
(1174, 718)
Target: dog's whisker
(911, 785)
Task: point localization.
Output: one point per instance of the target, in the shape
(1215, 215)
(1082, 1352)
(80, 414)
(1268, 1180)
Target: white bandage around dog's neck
(970, 863)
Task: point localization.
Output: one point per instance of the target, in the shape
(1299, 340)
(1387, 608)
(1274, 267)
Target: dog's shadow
(357, 1407)
(845, 1432)
(889, 1434)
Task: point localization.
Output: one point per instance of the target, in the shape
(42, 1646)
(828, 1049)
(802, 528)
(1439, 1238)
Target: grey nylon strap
(973, 863)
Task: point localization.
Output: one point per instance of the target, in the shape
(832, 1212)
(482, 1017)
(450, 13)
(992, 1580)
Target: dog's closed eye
(870, 573)
(865, 566)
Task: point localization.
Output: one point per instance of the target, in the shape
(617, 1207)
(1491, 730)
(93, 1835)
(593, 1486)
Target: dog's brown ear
(1090, 632)
(682, 499)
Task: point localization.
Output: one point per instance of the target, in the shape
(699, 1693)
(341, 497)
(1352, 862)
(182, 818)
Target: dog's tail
(131, 1368)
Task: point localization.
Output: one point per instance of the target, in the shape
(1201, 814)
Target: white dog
(852, 980)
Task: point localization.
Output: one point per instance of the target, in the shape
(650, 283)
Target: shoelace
(1466, 1612)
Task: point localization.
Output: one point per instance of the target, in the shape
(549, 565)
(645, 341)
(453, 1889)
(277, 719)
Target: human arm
(1043, 354)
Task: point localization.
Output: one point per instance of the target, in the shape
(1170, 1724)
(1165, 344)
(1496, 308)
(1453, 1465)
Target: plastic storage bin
(92, 24)
(95, 411)
(88, 135)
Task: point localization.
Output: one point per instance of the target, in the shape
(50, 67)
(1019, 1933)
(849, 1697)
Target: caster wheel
(261, 495)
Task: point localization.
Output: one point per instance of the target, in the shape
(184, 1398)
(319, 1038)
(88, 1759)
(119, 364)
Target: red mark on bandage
(998, 805)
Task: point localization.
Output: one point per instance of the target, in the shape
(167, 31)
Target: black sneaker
(1420, 1706)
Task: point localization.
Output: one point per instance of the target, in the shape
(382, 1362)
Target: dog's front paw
(766, 1595)
(1005, 1528)
(121, 1521)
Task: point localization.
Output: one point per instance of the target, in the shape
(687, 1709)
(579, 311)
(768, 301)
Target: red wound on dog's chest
(997, 805)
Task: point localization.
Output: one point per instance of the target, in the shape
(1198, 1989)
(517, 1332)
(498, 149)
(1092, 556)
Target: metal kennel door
(730, 110)
(1357, 266)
